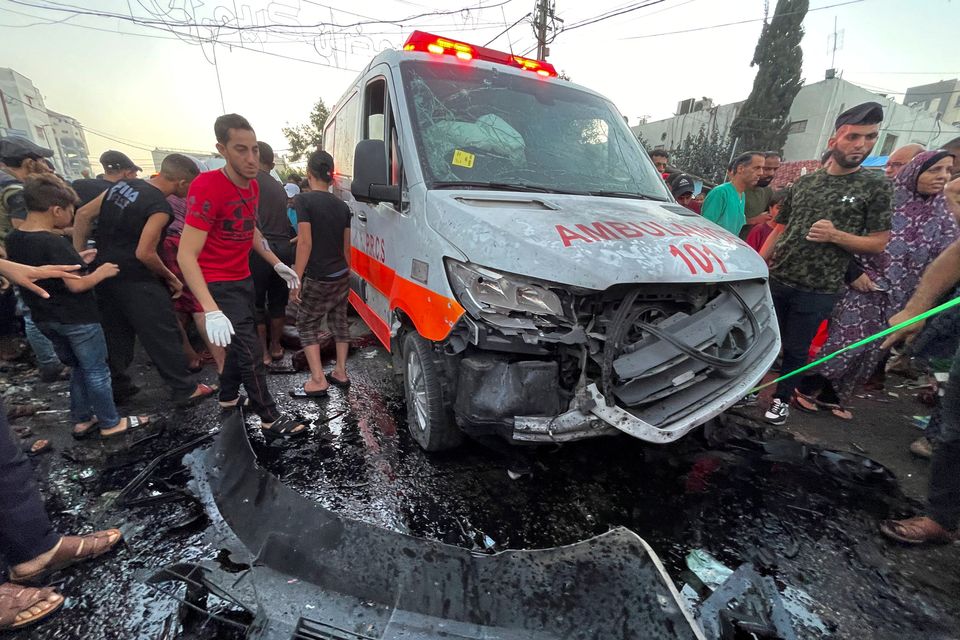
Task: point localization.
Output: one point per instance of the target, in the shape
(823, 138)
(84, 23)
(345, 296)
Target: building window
(957, 104)
(797, 127)
(40, 133)
(889, 143)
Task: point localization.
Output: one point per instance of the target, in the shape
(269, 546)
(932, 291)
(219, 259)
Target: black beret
(18, 147)
(866, 113)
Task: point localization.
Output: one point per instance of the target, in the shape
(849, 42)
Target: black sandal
(301, 393)
(343, 384)
(92, 430)
(134, 423)
(283, 428)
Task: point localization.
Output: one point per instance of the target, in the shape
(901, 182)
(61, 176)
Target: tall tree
(764, 119)
(704, 155)
(304, 139)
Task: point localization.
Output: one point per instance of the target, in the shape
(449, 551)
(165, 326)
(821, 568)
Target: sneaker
(778, 412)
(747, 401)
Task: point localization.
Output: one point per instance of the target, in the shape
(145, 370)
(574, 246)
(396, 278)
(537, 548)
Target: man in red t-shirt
(219, 231)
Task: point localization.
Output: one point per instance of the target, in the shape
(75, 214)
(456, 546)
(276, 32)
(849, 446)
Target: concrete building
(24, 114)
(811, 121)
(75, 156)
(208, 161)
(941, 98)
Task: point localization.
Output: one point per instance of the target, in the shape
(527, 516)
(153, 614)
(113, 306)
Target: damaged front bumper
(664, 391)
(306, 572)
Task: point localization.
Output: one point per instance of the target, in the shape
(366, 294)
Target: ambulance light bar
(429, 43)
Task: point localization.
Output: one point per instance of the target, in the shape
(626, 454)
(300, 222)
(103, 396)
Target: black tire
(429, 417)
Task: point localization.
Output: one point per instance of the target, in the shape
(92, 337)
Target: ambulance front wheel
(428, 409)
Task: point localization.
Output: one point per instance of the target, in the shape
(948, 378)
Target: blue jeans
(83, 347)
(43, 350)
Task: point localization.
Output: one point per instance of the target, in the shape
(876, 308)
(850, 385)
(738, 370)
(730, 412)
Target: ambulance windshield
(480, 126)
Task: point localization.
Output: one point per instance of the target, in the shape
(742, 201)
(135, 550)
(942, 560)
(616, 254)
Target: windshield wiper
(505, 186)
(626, 194)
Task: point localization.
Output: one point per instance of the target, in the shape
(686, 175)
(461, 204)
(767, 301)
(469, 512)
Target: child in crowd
(69, 316)
(759, 234)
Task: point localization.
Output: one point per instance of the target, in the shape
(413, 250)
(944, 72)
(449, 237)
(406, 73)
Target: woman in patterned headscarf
(922, 228)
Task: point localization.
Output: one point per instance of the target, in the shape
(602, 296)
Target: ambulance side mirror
(370, 178)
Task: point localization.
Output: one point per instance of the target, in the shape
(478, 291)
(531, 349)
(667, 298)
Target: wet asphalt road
(810, 525)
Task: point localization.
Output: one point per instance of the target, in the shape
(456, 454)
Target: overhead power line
(494, 38)
(731, 24)
(612, 14)
(50, 5)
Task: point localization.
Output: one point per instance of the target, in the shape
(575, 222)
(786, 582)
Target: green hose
(923, 316)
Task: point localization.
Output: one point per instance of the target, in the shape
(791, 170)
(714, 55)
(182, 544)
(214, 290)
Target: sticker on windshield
(463, 159)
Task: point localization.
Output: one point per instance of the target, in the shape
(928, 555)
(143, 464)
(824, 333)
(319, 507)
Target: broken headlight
(483, 291)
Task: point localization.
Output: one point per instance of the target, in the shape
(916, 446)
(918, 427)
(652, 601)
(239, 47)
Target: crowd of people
(110, 261)
(847, 249)
(107, 262)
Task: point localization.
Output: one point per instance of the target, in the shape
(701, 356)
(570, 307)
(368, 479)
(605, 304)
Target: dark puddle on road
(806, 518)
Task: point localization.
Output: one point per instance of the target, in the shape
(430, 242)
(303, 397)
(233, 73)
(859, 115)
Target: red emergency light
(429, 43)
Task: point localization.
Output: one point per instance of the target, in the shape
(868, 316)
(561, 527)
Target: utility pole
(543, 18)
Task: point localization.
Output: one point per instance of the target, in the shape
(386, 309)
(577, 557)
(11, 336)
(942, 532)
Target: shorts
(319, 299)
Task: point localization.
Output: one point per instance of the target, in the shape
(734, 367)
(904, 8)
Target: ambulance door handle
(361, 216)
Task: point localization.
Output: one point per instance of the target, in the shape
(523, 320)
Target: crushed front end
(540, 362)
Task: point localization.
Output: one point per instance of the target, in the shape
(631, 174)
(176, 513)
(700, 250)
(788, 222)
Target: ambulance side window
(345, 137)
(329, 134)
(378, 124)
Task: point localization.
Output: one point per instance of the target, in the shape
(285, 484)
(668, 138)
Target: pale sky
(150, 88)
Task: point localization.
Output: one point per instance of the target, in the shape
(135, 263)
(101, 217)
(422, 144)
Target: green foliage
(644, 142)
(304, 139)
(705, 155)
(764, 119)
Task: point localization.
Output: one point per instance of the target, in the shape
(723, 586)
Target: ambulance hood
(588, 241)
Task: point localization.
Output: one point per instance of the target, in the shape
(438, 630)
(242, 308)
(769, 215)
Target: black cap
(681, 184)
(866, 113)
(18, 147)
(117, 161)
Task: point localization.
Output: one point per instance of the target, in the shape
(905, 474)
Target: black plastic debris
(315, 574)
(746, 605)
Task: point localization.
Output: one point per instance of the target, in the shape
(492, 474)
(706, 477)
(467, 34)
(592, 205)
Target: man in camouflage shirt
(826, 217)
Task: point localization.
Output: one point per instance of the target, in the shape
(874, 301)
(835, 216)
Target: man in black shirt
(323, 264)
(271, 290)
(131, 218)
(116, 167)
(69, 317)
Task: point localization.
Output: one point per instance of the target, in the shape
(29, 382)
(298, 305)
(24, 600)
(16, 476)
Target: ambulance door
(380, 230)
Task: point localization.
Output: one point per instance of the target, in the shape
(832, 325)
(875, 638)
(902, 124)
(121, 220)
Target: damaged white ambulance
(515, 249)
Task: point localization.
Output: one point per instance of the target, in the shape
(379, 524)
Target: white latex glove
(288, 274)
(219, 329)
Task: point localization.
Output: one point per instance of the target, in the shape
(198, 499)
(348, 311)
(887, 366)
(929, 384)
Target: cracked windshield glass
(485, 127)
